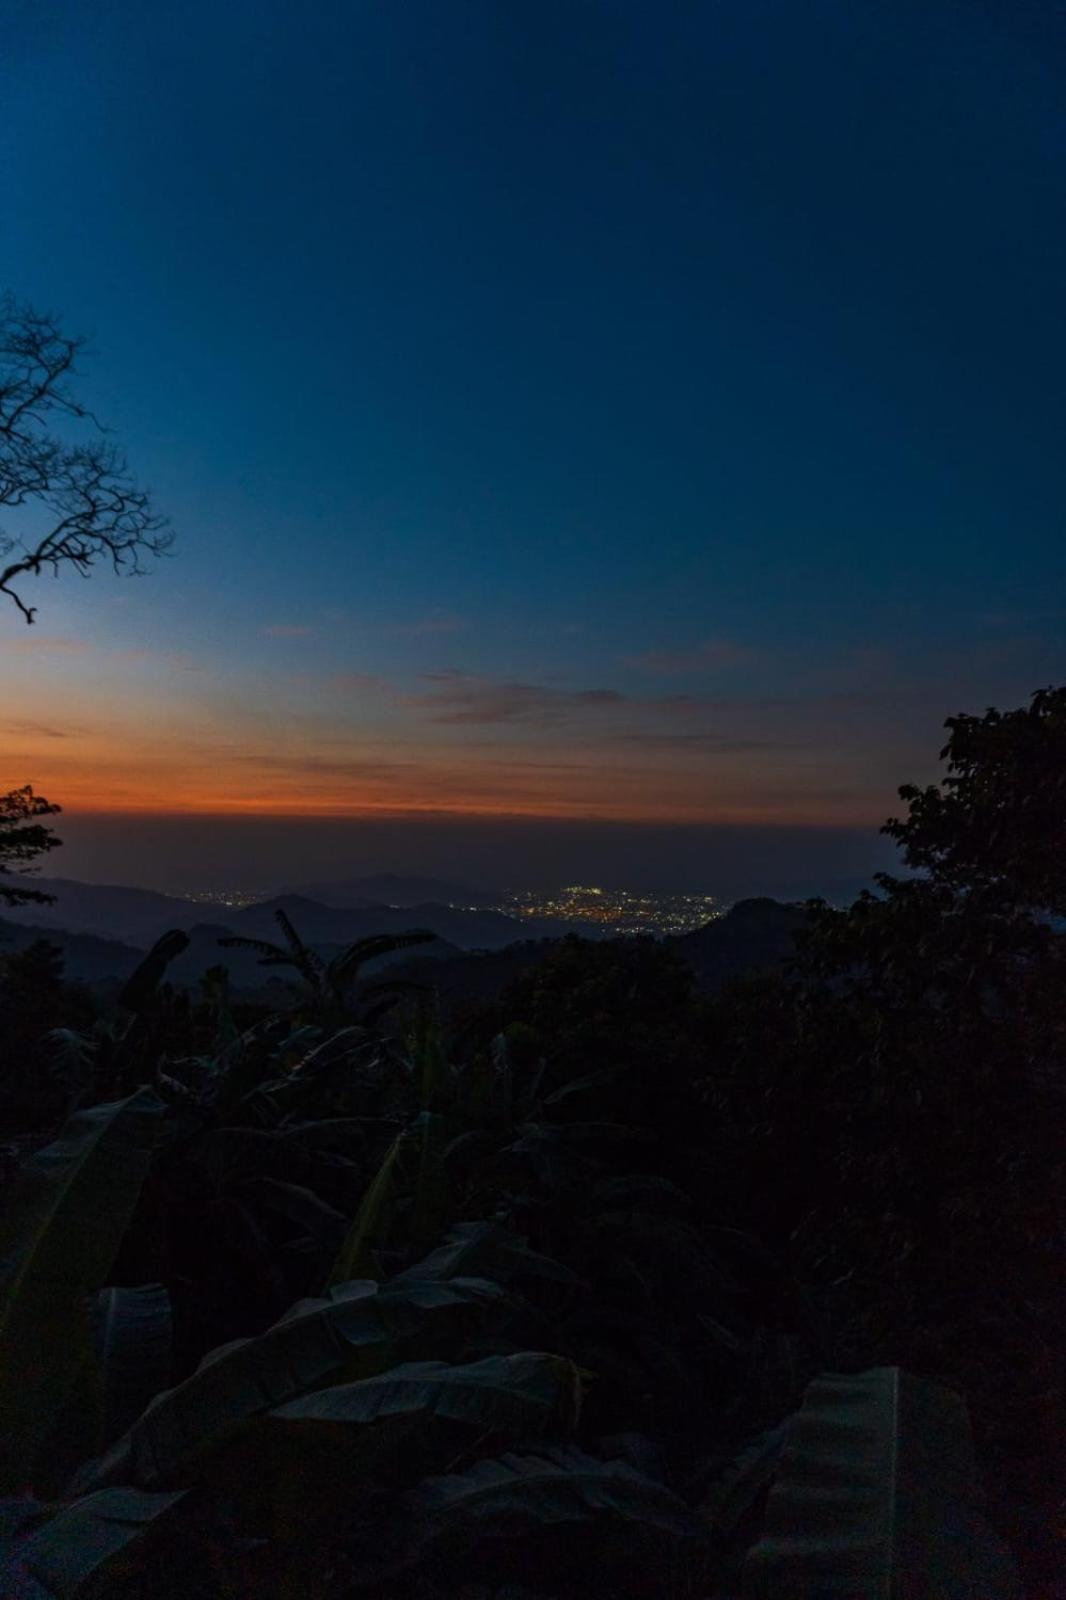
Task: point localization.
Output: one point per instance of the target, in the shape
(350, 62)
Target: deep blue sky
(585, 409)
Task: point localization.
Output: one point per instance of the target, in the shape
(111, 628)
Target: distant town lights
(622, 911)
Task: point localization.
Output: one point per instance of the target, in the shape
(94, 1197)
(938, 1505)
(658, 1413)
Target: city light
(619, 911)
(623, 911)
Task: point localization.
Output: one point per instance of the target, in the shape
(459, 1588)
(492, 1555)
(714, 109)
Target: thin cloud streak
(362, 680)
(460, 699)
(709, 656)
(425, 627)
(706, 743)
(34, 730)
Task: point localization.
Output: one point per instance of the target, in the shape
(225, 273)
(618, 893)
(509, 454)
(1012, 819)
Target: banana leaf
(344, 968)
(876, 1499)
(339, 1046)
(353, 1333)
(489, 1249)
(83, 1545)
(460, 1153)
(581, 1085)
(59, 1235)
(528, 1394)
(638, 1189)
(513, 1494)
(141, 985)
(429, 1200)
(132, 1332)
(738, 1485)
(300, 1205)
(355, 1255)
(312, 1461)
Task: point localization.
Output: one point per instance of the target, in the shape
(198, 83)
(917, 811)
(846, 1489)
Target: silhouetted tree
(78, 502)
(35, 1001)
(995, 829)
(891, 1109)
(22, 840)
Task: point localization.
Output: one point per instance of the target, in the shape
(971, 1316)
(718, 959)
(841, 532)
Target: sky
(607, 422)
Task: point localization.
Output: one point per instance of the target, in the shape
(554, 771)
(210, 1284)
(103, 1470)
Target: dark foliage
(529, 1302)
(995, 829)
(22, 839)
(34, 1001)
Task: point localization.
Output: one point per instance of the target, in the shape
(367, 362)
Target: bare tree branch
(79, 502)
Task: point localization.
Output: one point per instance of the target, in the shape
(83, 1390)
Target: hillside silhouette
(692, 1210)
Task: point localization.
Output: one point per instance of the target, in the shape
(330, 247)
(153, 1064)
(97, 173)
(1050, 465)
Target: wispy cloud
(462, 698)
(437, 622)
(37, 730)
(470, 698)
(705, 657)
(310, 766)
(361, 680)
(706, 743)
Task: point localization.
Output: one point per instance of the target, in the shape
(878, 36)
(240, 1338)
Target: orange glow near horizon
(102, 779)
(144, 736)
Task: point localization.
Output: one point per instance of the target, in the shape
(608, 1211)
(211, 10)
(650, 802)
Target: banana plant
(355, 1331)
(122, 1050)
(59, 1235)
(428, 1474)
(325, 985)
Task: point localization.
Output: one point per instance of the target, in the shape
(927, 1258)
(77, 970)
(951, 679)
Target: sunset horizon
(599, 438)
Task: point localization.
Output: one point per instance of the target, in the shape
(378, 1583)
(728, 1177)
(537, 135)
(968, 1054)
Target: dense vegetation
(352, 1299)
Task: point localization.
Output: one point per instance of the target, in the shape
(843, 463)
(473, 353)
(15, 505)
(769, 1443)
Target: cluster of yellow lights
(624, 910)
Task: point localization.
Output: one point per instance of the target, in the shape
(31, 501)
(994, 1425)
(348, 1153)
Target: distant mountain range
(106, 963)
(390, 889)
(754, 936)
(86, 958)
(469, 929)
(140, 916)
(104, 929)
(110, 911)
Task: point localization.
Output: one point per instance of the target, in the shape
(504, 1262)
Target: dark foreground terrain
(540, 1261)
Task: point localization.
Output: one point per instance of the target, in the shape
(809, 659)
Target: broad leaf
(344, 968)
(307, 961)
(429, 1200)
(588, 1080)
(489, 1249)
(340, 1046)
(309, 1461)
(461, 1152)
(355, 1256)
(638, 1188)
(517, 1494)
(83, 1545)
(142, 983)
(132, 1332)
(875, 1498)
(354, 1333)
(529, 1394)
(58, 1237)
(738, 1486)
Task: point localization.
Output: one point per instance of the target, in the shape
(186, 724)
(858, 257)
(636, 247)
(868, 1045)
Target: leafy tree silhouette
(22, 839)
(995, 829)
